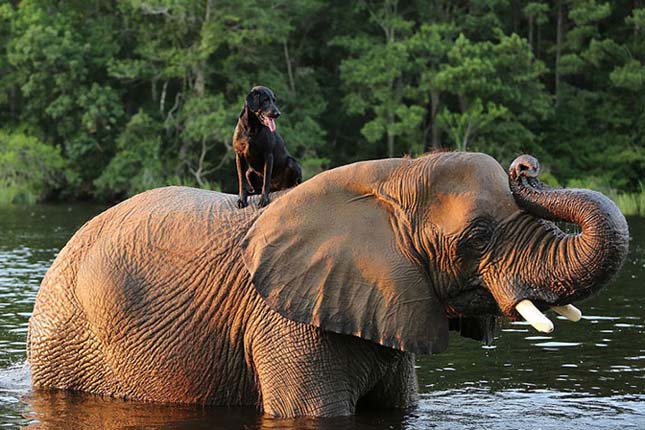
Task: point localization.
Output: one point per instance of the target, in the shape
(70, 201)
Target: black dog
(260, 154)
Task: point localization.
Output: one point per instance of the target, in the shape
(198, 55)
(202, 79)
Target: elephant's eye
(475, 238)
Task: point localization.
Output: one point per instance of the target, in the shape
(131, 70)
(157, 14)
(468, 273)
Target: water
(589, 374)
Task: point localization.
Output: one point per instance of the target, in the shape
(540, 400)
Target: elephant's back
(178, 198)
(158, 280)
(190, 213)
(176, 205)
(178, 219)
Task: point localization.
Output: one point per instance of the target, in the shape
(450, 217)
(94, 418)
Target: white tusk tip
(544, 327)
(570, 312)
(534, 317)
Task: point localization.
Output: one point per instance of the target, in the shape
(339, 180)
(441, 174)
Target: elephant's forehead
(452, 212)
(467, 187)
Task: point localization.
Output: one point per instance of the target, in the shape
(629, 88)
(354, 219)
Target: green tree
(536, 12)
(29, 169)
(599, 117)
(376, 75)
(141, 93)
(201, 60)
(499, 96)
(58, 50)
(137, 165)
(7, 84)
(430, 46)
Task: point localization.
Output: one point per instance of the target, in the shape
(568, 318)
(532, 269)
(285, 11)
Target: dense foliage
(102, 99)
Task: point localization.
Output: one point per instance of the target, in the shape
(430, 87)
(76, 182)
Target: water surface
(589, 374)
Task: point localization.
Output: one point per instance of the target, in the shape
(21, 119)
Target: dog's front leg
(240, 163)
(268, 168)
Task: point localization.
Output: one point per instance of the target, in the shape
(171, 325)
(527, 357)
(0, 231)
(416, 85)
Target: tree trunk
(558, 52)
(200, 80)
(531, 34)
(463, 103)
(13, 101)
(467, 133)
(516, 16)
(181, 157)
(162, 101)
(199, 172)
(390, 145)
(287, 59)
(153, 90)
(537, 42)
(389, 134)
(436, 131)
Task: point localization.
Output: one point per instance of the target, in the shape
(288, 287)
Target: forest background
(101, 99)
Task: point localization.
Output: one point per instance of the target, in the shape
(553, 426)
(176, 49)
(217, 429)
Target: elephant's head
(397, 251)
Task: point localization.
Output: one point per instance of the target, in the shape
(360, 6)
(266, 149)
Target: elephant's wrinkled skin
(319, 300)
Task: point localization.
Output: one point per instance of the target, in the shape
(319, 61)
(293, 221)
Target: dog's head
(261, 101)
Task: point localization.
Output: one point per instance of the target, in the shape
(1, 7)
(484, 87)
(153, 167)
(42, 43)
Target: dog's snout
(276, 113)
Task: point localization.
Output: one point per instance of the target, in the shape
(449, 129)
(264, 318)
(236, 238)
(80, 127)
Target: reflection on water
(585, 375)
(452, 409)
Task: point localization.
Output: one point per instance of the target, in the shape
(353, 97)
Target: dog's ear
(253, 101)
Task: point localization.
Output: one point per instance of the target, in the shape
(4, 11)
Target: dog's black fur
(260, 154)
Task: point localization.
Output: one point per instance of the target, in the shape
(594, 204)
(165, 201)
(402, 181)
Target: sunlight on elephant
(317, 303)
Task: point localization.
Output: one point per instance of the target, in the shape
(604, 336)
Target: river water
(585, 375)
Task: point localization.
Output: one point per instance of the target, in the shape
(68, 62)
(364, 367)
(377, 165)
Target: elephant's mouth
(472, 300)
(475, 300)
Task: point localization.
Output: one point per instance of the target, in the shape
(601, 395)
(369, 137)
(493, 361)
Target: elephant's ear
(326, 254)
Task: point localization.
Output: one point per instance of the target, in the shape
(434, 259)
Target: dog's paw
(264, 200)
(242, 203)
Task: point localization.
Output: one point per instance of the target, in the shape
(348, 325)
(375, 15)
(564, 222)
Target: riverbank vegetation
(102, 99)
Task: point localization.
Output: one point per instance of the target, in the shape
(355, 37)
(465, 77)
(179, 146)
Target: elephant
(317, 304)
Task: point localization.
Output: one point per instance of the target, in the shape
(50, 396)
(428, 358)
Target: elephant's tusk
(534, 317)
(570, 312)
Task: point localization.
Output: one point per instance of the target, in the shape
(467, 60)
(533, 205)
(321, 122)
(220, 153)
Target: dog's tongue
(269, 122)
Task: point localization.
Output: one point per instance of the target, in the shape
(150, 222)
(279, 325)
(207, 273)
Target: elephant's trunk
(576, 265)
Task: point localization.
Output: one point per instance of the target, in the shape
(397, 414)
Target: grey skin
(318, 302)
